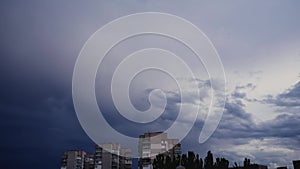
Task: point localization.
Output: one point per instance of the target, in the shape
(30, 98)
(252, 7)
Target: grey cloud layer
(40, 41)
(238, 135)
(289, 98)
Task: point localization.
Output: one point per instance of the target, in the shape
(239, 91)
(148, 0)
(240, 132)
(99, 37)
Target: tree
(191, 160)
(158, 162)
(247, 163)
(177, 161)
(201, 163)
(198, 162)
(221, 163)
(155, 163)
(209, 161)
(184, 160)
(168, 163)
(236, 165)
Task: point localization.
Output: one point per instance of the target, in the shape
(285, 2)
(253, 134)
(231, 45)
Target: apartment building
(105, 156)
(73, 159)
(154, 143)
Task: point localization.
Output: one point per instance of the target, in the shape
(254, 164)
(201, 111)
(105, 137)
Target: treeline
(192, 161)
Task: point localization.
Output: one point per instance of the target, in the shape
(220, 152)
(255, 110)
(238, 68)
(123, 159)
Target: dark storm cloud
(239, 136)
(51, 127)
(236, 122)
(283, 125)
(204, 87)
(40, 41)
(240, 95)
(238, 128)
(39, 45)
(286, 124)
(247, 86)
(240, 92)
(289, 99)
(236, 116)
(241, 124)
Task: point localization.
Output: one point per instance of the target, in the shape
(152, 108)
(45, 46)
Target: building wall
(125, 158)
(110, 155)
(296, 164)
(152, 144)
(73, 159)
(89, 161)
(105, 156)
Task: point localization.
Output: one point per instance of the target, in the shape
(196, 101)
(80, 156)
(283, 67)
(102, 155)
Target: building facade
(73, 159)
(152, 144)
(105, 156)
(296, 164)
(89, 161)
(282, 167)
(125, 158)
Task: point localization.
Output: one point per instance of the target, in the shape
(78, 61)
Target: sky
(257, 42)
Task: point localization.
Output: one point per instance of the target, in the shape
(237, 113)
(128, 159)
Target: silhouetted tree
(247, 163)
(191, 160)
(168, 163)
(201, 163)
(184, 160)
(236, 165)
(221, 163)
(209, 161)
(198, 162)
(158, 162)
(155, 163)
(177, 161)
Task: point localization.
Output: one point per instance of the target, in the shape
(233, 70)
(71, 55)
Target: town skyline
(153, 157)
(217, 75)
